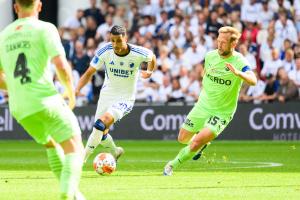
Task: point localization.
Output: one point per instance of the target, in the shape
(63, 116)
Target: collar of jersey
(124, 54)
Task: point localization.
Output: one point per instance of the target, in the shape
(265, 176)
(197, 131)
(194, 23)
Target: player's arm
(64, 74)
(85, 78)
(2, 79)
(150, 68)
(248, 76)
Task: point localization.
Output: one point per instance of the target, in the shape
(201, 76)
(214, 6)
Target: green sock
(55, 159)
(183, 155)
(70, 175)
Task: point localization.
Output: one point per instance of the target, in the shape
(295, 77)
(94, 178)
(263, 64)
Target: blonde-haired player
(225, 70)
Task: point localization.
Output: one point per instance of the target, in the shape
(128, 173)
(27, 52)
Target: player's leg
(185, 137)
(186, 153)
(63, 127)
(117, 111)
(193, 124)
(60, 121)
(71, 170)
(99, 133)
(55, 157)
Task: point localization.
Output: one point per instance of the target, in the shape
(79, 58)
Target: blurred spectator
(251, 59)
(91, 28)
(133, 19)
(147, 27)
(272, 66)
(253, 93)
(265, 15)
(120, 18)
(232, 6)
(295, 74)
(184, 79)
(176, 94)
(193, 88)
(177, 61)
(111, 9)
(288, 62)
(104, 28)
(297, 14)
(94, 12)
(164, 26)
(163, 58)
(204, 39)
(177, 25)
(213, 25)
(271, 89)
(251, 12)
(249, 33)
(164, 91)
(285, 28)
(80, 59)
(91, 47)
(81, 34)
(74, 22)
(235, 21)
(287, 89)
(194, 55)
(148, 8)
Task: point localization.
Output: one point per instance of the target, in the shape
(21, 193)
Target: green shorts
(198, 119)
(57, 122)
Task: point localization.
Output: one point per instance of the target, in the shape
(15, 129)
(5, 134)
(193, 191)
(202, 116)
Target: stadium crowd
(180, 33)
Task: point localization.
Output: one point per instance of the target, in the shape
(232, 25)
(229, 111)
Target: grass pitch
(227, 171)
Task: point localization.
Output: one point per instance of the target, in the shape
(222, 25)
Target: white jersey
(121, 72)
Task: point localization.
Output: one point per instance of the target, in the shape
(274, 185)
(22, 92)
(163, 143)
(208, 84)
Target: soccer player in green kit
(224, 72)
(26, 48)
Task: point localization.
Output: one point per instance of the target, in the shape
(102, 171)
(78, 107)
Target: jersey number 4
(21, 69)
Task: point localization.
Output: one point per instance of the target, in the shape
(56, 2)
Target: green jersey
(220, 86)
(26, 48)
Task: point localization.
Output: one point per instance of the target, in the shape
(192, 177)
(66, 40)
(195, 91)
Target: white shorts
(116, 107)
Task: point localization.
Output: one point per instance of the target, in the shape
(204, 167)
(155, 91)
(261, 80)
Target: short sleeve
(243, 64)
(98, 59)
(52, 41)
(97, 62)
(148, 55)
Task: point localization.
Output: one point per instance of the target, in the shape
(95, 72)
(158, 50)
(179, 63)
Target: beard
(224, 53)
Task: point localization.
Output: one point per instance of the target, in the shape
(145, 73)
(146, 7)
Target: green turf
(228, 171)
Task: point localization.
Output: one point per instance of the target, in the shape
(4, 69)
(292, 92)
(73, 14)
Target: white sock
(109, 143)
(92, 143)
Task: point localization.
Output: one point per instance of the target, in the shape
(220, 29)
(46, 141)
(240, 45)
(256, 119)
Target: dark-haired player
(121, 62)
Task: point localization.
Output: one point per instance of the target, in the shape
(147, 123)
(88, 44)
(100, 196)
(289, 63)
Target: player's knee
(182, 139)
(99, 125)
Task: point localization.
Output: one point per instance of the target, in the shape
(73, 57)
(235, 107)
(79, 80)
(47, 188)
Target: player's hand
(233, 69)
(145, 74)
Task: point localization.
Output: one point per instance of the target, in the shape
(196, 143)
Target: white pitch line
(250, 164)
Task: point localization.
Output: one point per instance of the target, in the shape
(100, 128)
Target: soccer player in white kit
(121, 62)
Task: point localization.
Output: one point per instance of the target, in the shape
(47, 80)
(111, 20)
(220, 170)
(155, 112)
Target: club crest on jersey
(95, 60)
(131, 65)
(121, 63)
(112, 63)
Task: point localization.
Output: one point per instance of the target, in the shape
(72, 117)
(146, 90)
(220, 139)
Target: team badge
(131, 65)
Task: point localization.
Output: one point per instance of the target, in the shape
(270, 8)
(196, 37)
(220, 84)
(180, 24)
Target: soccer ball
(104, 163)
